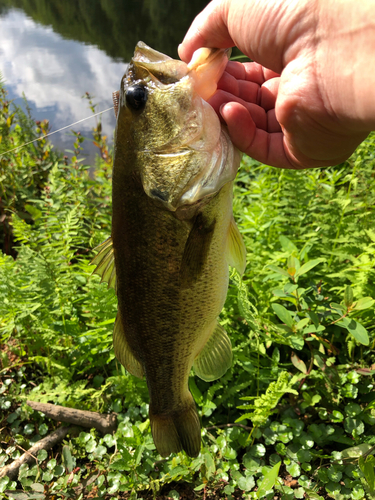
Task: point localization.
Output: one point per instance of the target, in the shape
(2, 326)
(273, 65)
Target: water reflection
(115, 26)
(54, 74)
(41, 57)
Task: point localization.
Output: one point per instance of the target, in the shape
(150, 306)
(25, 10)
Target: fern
(264, 406)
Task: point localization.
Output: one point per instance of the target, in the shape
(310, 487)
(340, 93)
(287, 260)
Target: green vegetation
(293, 418)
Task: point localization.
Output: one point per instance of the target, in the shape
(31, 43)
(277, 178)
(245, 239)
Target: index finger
(209, 29)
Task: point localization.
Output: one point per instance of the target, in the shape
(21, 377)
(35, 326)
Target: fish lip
(161, 67)
(145, 53)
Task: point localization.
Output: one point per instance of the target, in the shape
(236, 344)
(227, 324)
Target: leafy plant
(301, 321)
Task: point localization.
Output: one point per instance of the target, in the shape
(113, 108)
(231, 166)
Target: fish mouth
(205, 68)
(162, 67)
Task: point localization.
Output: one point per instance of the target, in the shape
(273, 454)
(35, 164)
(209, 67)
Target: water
(56, 51)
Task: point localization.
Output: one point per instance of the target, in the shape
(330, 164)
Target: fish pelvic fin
(216, 356)
(236, 250)
(123, 352)
(178, 430)
(105, 263)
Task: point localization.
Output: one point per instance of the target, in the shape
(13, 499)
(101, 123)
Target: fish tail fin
(177, 431)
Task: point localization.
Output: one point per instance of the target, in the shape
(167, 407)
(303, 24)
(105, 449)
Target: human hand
(309, 109)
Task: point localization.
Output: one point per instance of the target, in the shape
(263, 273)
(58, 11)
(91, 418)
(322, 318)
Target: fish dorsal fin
(216, 356)
(123, 352)
(116, 100)
(196, 249)
(236, 250)
(105, 263)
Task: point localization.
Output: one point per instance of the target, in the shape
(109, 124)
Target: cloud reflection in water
(54, 74)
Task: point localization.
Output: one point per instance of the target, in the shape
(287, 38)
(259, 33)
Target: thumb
(209, 29)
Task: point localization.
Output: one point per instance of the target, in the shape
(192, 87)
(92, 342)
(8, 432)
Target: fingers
(209, 29)
(252, 83)
(248, 91)
(258, 114)
(266, 147)
(248, 86)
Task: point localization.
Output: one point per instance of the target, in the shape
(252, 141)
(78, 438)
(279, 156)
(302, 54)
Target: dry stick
(28, 457)
(104, 423)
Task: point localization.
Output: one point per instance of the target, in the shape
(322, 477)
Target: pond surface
(54, 51)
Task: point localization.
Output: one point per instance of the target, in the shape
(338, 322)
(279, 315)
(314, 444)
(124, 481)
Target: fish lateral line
(55, 131)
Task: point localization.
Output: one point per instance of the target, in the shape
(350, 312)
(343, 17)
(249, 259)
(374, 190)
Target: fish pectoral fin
(236, 250)
(216, 356)
(105, 263)
(196, 250)
(123, 352)
(116, 100)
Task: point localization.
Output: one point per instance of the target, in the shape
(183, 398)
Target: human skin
(308, 99)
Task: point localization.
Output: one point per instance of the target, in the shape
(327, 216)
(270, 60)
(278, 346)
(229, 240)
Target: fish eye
(136, 96)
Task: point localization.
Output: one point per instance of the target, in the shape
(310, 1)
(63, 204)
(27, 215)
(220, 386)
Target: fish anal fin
(216, 356)
(105, 263)
(196, 250)
(123, 352)
(236, 250)
(177, 430)
(116, 100)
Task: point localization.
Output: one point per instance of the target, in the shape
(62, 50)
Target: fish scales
(173, 236)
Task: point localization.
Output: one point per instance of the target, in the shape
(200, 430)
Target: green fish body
(173, 236)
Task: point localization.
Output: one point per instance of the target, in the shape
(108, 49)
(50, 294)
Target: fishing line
(55, 131)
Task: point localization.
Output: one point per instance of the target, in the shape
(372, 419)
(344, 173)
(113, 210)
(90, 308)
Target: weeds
(301, 323)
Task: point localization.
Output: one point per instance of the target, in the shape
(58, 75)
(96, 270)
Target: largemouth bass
(173, 235)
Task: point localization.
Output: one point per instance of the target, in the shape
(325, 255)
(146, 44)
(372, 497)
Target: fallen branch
(29, 456)
(104, 423)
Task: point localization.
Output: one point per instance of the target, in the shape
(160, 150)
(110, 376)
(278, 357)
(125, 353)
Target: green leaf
(4, 483)
(312, 495)
(298, 363)
(294, 469)
(12, 417)
(297, 342)
(174, 495)
(287, 245)
(278, 270)
(283, 314)
(42, 455)
(302, 323)
(364, 303)
(138, 453)
(43, 429)
(307, 267)
(67, 458)
(268, 480)
(358, 331)
(195, 391)
(210, 465)
(47, 476)
(367, 467)
(52, 464)
(348, 296)
(246, 483)
(356, 451)
(37, 487)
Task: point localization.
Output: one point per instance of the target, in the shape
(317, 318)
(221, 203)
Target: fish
(173, 235)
